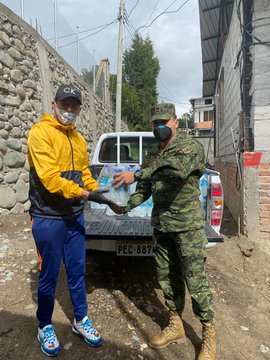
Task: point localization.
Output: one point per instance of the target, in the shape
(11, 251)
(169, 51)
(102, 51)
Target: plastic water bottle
(104, 179)
(120, 195)
(203, 185)
(149, 206)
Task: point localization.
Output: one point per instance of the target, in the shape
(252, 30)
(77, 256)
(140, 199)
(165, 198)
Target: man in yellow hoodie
(60, 182)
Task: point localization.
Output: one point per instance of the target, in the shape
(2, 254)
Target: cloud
(175, 36)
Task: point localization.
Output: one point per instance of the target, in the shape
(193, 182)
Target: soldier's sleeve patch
(187, 150)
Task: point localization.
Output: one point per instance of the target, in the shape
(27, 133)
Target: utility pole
(78, 50)
(119, 69)
(55, 26)
(22, 9)
(94, 72)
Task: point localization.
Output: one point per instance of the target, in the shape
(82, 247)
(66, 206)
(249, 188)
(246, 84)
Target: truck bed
(98, 225)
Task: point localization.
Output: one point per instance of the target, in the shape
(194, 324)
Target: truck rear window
(129, 149)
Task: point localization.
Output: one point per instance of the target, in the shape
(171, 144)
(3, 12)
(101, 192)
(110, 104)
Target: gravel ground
(126, 304)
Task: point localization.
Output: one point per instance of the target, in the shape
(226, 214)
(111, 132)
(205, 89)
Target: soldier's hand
(124, 177)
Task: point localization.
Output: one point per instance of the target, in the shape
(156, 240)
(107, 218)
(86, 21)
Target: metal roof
(215, 17)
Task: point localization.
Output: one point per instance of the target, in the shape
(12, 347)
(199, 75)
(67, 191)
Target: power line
(81, 32)
(164, 12)
(152, 12)
(174, 100)
(104, 27)
(137, 2)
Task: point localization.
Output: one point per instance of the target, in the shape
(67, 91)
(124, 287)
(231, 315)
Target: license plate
(125, 248)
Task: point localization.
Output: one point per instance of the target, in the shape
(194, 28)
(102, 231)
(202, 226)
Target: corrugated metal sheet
(215, 17)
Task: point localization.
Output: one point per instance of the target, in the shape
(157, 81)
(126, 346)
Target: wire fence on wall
(46, 18)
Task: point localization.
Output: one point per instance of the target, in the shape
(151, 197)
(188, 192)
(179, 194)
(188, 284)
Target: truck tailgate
(100, 226)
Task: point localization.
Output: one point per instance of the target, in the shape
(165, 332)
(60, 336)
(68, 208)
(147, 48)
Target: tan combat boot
(173, 333)
(208, 349)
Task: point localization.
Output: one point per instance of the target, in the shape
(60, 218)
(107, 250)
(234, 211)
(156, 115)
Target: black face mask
(162, 133)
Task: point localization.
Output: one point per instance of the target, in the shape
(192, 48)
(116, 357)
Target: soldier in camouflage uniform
(171, 175)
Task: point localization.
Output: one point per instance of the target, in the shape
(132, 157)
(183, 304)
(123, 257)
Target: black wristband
(137, 175)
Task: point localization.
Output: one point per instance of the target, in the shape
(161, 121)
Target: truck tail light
(216, 190)
(216, 216)
(218, 202)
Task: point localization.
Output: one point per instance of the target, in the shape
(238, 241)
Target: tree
(187, 121)
(87, 75)
(139, 92)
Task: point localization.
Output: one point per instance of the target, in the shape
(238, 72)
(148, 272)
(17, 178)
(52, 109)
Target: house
(203, 110)
(235, 39)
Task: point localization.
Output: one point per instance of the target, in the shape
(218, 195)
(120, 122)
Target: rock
(264, 349)
(13, 101)
(4, 134)
(20, 92)
(6, 59)
(11, 177)
(4, 38)
(29, 84)
(18, 45)
(3, 146)
(244, 328)
(17, 209)
(7, 198)
(29, 307)
(16, 30)
(22, 190)
(14, 160)
(15, 54)
(14, 144)
(16, 76)
(67, 346)
(16, 132)
(149, 309)
(27, 205)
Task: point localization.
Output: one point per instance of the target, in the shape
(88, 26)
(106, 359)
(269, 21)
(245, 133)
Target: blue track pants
(58, 239)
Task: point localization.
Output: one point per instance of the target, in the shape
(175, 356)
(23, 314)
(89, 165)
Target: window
(208, 101)
(147, 145)
(129, 149)
(208, 115)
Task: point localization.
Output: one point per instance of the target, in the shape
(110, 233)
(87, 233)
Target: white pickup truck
(132, 236)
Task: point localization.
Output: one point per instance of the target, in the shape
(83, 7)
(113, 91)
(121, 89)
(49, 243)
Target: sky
(175, 37)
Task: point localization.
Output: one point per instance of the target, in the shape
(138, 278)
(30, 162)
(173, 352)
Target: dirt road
(126, 303)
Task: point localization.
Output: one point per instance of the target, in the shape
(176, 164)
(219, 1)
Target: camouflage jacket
(172, 178)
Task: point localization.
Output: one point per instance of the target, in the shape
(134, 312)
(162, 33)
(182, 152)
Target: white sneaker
(48, 341)
(86, 330)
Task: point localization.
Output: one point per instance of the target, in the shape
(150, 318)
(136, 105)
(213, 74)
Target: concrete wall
(30, 73)
(248, 201)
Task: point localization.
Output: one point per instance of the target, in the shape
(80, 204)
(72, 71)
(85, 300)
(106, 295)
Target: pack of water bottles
(121, 195)
(143, 210)
(203, 185)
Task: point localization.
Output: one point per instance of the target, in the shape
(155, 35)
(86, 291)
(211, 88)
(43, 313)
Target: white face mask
(65, 117)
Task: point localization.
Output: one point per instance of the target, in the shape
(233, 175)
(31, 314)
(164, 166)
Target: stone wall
(30, 73)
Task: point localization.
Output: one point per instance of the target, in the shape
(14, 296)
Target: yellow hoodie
(58, 169)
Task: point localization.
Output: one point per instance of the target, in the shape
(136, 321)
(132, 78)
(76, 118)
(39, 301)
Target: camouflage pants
(180, 260)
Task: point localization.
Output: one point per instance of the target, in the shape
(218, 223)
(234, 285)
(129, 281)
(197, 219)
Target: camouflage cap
(162, 111)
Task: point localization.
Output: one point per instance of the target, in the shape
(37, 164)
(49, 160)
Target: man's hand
(85, 194)
(98, 197)
(125, 177)
(117, 209)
